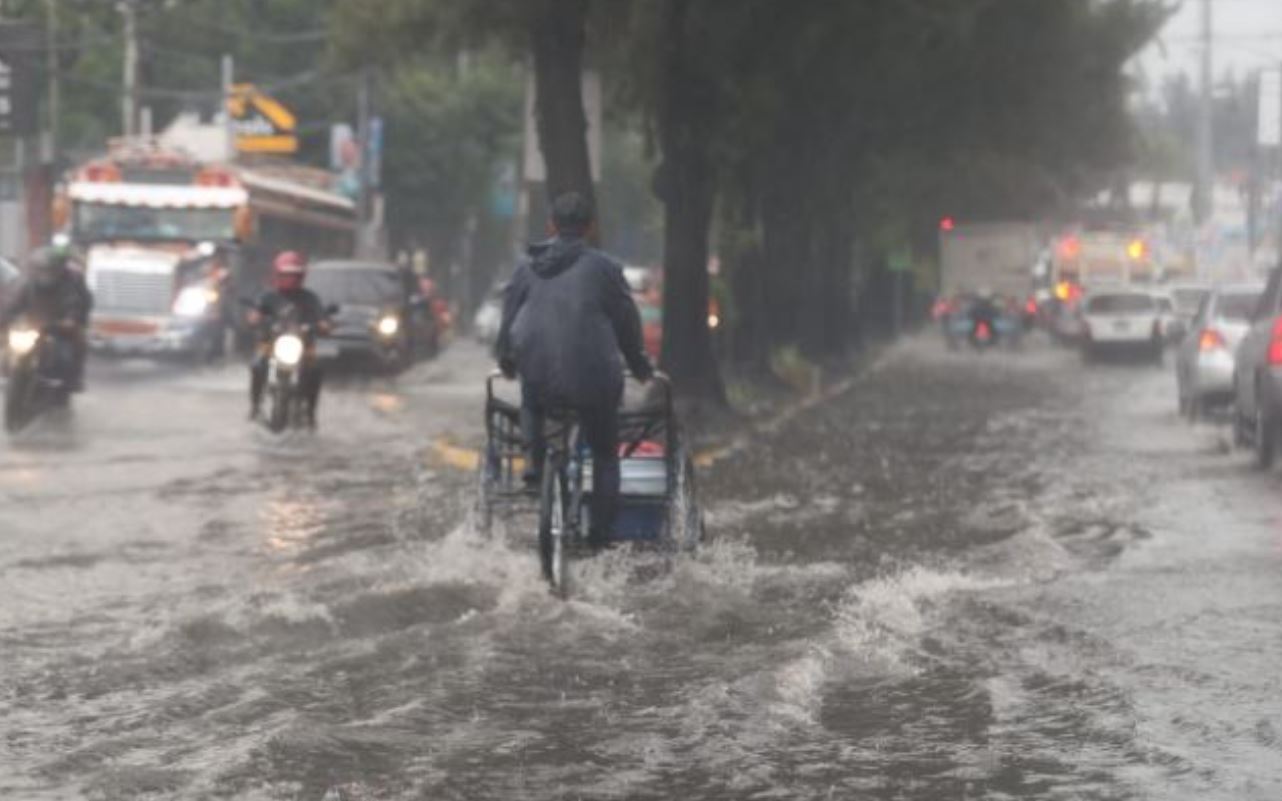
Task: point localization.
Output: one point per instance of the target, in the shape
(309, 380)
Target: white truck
(170, 243)
(996, 256)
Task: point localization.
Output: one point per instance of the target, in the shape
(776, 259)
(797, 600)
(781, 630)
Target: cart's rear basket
(649, 460)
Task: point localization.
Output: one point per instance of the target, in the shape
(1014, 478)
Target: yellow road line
(448, 454)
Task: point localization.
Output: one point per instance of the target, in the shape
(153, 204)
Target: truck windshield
(1120, 304)
(95, 222)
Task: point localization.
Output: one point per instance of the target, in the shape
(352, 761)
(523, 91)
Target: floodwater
(997, 576)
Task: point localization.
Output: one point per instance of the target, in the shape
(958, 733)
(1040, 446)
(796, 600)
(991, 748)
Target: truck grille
(140, 293)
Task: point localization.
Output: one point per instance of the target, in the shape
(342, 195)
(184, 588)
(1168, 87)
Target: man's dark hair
(571, 214)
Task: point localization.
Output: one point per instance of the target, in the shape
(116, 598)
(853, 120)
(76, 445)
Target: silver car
(1257, 376)
(1205, 356)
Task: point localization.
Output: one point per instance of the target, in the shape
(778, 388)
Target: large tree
(551, 32)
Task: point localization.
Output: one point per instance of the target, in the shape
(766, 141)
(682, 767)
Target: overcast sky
(1248, 34)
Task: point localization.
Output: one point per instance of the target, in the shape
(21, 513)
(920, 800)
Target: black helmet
(47, 265)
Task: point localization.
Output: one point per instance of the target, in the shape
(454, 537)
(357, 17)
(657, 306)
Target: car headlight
(288, 350)
(194, 301)
(713, 321)
(388, 325)
(22, 340)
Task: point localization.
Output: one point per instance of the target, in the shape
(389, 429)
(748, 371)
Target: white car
(1122, 320)
(489, 316)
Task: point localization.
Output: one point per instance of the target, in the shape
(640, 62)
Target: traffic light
(947, 224)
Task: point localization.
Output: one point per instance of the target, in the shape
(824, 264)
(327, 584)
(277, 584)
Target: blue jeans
(600, 426)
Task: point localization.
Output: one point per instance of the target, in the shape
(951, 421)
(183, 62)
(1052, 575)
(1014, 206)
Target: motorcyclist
(54, 298)
(985, 309)
(289, 272)
(567, 316)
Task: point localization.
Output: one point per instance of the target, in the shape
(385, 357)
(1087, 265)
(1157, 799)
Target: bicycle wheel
(552, 528)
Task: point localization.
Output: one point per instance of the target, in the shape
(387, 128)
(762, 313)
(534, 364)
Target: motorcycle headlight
(388, 325)
(194, 301)
(288, 350)
(22, 340)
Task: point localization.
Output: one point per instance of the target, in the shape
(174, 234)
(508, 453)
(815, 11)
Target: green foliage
(280, 45)
(448, 130)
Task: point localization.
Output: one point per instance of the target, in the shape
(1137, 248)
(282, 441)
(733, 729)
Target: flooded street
(999, 576)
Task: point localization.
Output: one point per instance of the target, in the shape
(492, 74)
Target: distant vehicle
(381, 317)
(1121, 320)
(1205, 356)
(489, 316)
(1257, 376)
(169, 241)
(641, 280)
(1101, 259)
(651, 327)
(997, 257)
(1168, 320)
(964, 323)
(1187, 300)
(10, 279)
(38, 366)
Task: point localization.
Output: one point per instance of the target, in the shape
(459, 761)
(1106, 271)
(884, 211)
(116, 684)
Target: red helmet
(288, 271)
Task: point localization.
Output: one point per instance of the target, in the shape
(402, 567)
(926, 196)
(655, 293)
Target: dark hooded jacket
(68, 299)
(567, 316)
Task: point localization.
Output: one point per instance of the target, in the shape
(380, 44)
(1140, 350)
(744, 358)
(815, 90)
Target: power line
(276, 87)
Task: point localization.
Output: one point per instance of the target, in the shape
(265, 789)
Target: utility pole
(129, 104)
(55, 88)
(363, 136)
(228, 78)
(1205, 187)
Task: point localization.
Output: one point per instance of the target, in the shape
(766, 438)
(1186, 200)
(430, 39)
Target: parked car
(381, 316)
(1121, 320)
(1257, 376)
(1205, 355)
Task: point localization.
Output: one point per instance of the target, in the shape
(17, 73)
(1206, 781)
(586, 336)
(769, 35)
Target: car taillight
(1275, 344)
(1031, 306)
(1210, 339)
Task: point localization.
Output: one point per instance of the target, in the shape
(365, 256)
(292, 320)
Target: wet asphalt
(969, 576)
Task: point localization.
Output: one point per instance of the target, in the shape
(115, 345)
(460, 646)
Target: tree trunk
(686, 185)
(557, 35)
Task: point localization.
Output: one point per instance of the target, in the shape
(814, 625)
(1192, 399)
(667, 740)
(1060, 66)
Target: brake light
(983, 331)
(1031, 306)
(1210, 339)
(1275, 344)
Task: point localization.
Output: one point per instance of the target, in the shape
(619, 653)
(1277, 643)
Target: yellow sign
(261, 124)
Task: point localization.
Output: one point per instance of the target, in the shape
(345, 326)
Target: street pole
(1205, 169)
(363, 135)
(228, 77)
(55, 88)
(129, 11)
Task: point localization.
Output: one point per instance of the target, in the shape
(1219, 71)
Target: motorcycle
(982, 335)
(38, 367)
(289, 357)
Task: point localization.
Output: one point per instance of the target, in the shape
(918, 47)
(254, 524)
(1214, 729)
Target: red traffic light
(947, 224)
